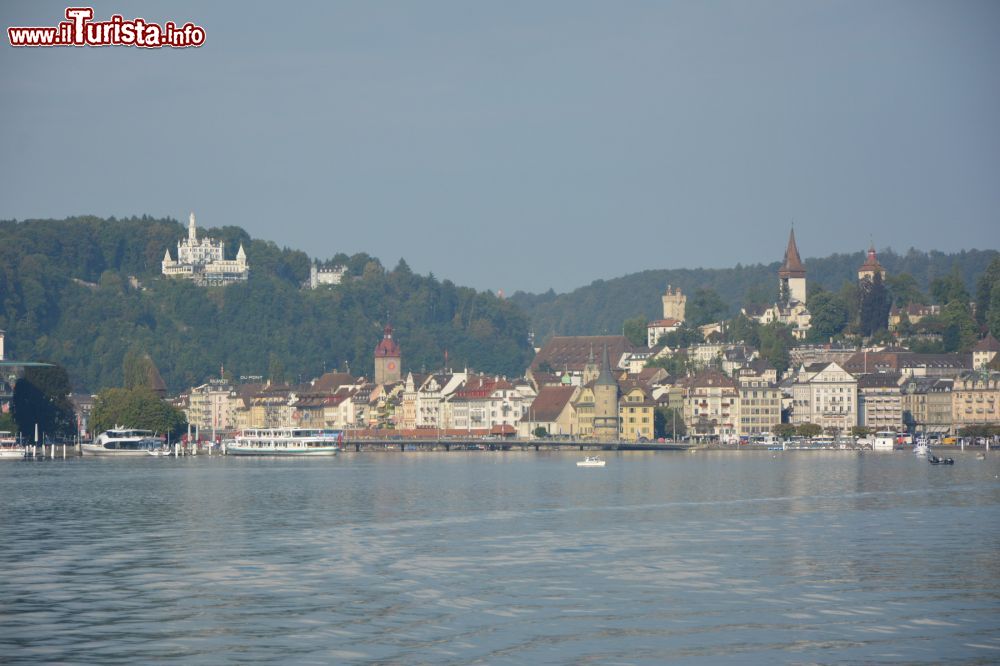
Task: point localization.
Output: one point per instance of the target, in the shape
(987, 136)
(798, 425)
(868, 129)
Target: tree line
(84, 292)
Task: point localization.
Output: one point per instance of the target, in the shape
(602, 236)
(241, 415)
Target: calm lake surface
(502, 558)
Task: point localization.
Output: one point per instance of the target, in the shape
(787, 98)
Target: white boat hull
(96, 450)
(11, 454)
(234, 450)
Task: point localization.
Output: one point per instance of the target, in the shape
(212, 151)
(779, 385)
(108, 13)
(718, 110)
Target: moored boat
(286, 442)
(591, 461)
(921, 448)
(122, 441)
(9, 448)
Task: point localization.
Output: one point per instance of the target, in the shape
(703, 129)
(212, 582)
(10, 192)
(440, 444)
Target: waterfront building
(431, 395)
(880, 401)
(827, 395)
(388, 359)
(926, 403)
(758, 407)
(203, 261)
(213, 406)
(710, 405)
(975, 399)
(635, 413)
(552, 409)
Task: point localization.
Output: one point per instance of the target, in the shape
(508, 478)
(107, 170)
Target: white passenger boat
(9, 448)
(121, 441)
(591, 461)
(921, 449)
(286, 442)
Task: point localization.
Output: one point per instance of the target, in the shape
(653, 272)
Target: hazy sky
(525, 145)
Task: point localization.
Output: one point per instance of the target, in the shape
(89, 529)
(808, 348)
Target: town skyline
(474, 141)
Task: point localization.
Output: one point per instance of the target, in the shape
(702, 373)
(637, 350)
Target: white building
(320, 276)
(204, 261)
(827, 395)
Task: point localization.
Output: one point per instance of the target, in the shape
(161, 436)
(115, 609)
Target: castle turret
(674, 303)
(192, 234)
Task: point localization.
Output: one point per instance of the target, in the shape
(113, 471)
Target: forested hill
(66, 296)
(602, 306)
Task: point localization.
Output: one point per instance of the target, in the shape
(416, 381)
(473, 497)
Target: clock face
(391, 365)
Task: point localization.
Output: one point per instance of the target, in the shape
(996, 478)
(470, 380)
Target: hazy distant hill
(602, 306)
(65, 295)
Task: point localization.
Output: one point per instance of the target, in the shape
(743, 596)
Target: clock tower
(388, 359)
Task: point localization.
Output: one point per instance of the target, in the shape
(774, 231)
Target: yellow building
(635, 415)
(975, 399)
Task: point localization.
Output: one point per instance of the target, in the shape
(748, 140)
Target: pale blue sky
(525, 145)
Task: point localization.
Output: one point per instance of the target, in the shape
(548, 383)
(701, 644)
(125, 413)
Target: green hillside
(66, 296)
(603, 305)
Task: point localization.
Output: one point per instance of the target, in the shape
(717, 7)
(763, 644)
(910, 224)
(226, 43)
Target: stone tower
(605, 403)
(388, 359)
(792, 274)
(673, 304)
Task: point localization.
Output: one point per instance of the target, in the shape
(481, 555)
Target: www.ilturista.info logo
(79, 30)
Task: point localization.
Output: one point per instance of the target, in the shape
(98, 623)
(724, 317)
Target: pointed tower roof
(605, 378)
(241, 254)
(871, 264)
(166, 255)
(388, 346)
(793, 267)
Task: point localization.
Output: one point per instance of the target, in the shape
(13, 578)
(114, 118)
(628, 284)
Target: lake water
(502, 558)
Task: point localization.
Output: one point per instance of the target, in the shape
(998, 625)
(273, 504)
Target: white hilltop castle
(204, 261)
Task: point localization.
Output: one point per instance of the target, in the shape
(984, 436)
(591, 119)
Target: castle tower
(870, 267)
(606, 403)
(192, 234)
(792, 274)
(1, 344)
(674, 303)
(388, 359)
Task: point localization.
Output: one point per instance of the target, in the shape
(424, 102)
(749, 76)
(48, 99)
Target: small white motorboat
(591, 461)
(921, 449)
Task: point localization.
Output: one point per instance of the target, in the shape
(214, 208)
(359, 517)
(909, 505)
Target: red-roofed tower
(388, 359)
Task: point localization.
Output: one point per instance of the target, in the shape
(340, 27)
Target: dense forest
(602, 306)
(84, 292)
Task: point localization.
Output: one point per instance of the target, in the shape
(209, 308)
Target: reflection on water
(502, 558)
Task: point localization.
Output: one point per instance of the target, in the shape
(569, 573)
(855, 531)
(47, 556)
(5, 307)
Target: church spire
(792, 267)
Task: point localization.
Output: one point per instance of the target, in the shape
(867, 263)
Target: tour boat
(591, 461)
(921, 449)
(286, 442)
(121, 441)
(9, 448)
